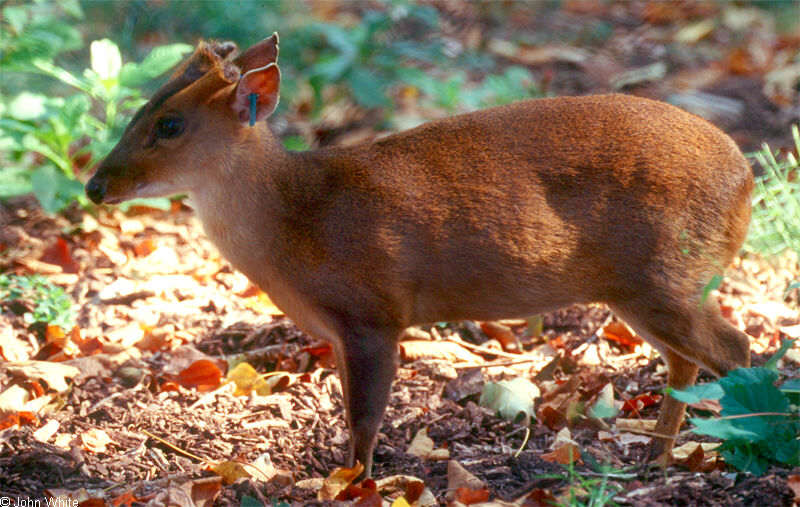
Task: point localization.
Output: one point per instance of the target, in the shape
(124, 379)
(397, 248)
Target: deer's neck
(239, 205)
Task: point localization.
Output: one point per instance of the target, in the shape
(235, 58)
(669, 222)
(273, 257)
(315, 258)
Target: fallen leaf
(628, 439)
(18, 419)
(46, 432)
(247, 380)
(639, 402)
(58, 253)
(511, 399)
(14, 398)
(202, 375)
(538, 498)
(682, 452)
(53, 374)
(502, 334)
(144, 248)
(620, 333)
(261, 303)
(230, 471)
(643, 426)
(468, 496)
(95, 440)
(413, 350)
(794, 484)
(460, 477)
(126, 498)
(421, 445)
(365, 493)
(339, 479)
(564, 453)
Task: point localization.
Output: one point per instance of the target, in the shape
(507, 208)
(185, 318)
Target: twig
(173, 447)
(485, 350)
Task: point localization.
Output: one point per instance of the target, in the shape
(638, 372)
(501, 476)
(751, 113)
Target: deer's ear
(258, 55)
(264, 83)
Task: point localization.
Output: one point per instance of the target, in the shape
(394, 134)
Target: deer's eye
(169, 127)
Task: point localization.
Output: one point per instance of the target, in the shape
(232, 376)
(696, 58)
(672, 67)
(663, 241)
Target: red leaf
(203, 375)
(638, 403)
(471, 496)
(58, 253)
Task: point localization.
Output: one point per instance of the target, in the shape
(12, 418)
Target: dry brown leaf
(203, 491)
(538, 498)
(417, 349)
(460, 477)
(682, 452)
(502, 334)
(421, 445)
(95, 440)
(47, 431)
(794, 484)
(468, 496)
(339, 479)
(230, 471)
(53, 374)
(620, 333)
(564, 453)
(642, 426)
(125, 336)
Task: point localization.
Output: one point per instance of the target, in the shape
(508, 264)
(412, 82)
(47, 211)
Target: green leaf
(746, 460)
(695, 394)
(53, 189)
(295, 143)
(15, 181)
(157, 62)
(366, 88)
(791, 386)
(106, 59)
(772, 363)
(512, 400)
(723, 429)
(712, 285)
(27, 106)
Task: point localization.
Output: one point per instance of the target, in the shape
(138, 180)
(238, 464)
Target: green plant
(49, 140)
(453, 94)
(591, 492)
(368, 58)
(51, 305)
(760, 420)
(775, 226)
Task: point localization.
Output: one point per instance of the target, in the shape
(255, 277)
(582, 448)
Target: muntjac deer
(504, 212)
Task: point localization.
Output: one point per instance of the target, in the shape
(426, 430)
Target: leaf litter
(133, 406)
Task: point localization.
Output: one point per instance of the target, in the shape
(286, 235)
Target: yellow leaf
(263, 304)
(338, 481)
(230, 471)
(247, 380)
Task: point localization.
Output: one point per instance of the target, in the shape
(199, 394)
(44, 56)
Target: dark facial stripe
(167, 91)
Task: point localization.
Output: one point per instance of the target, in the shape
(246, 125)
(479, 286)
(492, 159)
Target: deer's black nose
(96, 189)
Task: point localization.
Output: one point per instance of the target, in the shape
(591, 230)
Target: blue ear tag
(253, 97)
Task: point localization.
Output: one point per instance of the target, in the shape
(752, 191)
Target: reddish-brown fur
(504, 212)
